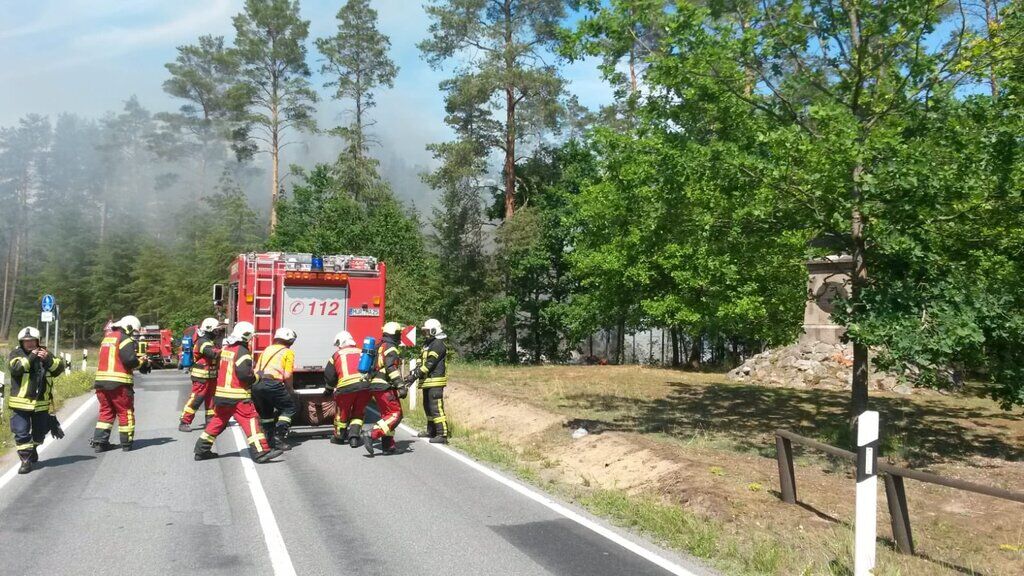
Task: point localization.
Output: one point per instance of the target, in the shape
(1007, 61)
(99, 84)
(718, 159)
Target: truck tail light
(248, 298)
(376, 300)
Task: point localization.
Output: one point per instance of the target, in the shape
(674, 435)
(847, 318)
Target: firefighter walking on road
(272, 392)
(232, 399)
(344, 381)
(118, 358)
(32, 369)
(433, 376)
(203, 373)
(384, 386)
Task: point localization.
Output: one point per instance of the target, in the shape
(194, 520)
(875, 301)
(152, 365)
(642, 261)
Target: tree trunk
(696, 352)
(675, 347)
(510, 153)
(859, 400)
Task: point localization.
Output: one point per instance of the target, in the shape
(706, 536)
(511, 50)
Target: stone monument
(828, 278)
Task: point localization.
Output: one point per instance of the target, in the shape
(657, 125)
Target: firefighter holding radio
(433, 376)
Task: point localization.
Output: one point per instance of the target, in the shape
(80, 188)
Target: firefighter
(347, 385)
(433, 375)
(233, 399)
(204, 374)
(384, 389)
(272, 391)
(118, 357)
(32, 369)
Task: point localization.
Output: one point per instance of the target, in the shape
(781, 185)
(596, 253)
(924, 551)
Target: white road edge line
(65, 425)
(562, 510)
(280, 560)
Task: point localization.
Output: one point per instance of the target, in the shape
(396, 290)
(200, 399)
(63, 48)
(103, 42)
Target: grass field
(689, 459)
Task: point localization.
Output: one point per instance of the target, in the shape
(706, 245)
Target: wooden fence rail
(895, 492)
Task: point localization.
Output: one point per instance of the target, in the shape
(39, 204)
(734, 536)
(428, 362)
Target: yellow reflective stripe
(57, 365)
(114, 376)
(25, 364)
(28, 446)
(17, 403)
(394, 374)
(435, 382)
(355, 421)
(232, 393)
(204, 373)
(241, 360)
(349, 380)
(124, 343)
(206, 437)
(284, 419)
(104, 425)
(432, 353)
(384, 426)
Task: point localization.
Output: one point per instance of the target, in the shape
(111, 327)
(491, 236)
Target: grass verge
(65, 387)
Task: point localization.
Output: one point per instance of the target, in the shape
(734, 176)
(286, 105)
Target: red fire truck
(316, 296)
(158, 346)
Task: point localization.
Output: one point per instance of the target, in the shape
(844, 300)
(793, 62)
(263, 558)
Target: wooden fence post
(896, 496)
(787, 477)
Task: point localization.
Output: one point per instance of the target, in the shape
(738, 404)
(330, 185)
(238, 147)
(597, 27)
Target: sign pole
(865, 521)
(56, 332)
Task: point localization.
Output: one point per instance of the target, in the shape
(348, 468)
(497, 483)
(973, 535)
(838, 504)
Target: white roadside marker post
(413, 365)
(85, 358)
(865, 521)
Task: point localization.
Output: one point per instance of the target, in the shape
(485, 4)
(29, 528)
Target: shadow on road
(63, 460)
(147, 442)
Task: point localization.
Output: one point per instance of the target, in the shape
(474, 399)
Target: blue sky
(87, 56)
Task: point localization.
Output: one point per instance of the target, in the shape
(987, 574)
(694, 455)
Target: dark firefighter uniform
(118, 358)
(433, 375)
(233, 399)
(384, 390)
(31, 402)
(343, 380)
(204, 379)
(272, 398)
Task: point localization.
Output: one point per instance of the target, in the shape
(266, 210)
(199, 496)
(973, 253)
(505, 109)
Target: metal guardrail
(895, 492)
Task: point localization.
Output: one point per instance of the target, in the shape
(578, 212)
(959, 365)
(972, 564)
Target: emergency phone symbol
(297, 308)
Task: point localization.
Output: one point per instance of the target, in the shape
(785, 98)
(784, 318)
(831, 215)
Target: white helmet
(286, 334)
(343, 338)
(242, 332)
(208, 325)
(393, 328)
(432, 328)
(28, 333)
(129, 324)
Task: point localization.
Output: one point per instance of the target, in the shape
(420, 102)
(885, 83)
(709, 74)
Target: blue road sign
(48, 303)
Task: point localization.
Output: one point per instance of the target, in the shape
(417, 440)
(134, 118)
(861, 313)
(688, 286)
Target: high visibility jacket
(204, 355)
(117, 358)
(32, 381)
(342, 371)
(433, 369)
(277, 362)
(235, 375)
(388, 372)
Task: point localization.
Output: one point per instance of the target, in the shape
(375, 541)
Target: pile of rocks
(818, 365)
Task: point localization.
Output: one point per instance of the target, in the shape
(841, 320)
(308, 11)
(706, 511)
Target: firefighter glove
(55, 429)
(403, 391)
(328, 392)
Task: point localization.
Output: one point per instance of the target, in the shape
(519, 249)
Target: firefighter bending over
(346, 384)
(33, 369)
(433, 375)
(204, 374)
(272, 391)
(233, 399)
(387, 379)
(118, 358)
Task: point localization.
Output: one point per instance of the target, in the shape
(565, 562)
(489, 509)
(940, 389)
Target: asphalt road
(321, 509)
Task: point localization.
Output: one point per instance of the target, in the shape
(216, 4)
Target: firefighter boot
(183, 427)
(204, 450)
(340, 438)
(33, 456)
(268, 456)
(277, 439)
(387, 445)
(439, 440)
(99, 447)
(430, 432)
(355, 435)
(367, 442)
(26, 462)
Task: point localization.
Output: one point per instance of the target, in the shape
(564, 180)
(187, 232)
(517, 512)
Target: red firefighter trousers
(202, 393)
(118, 403)
(390, 408)
(351, 411)
(244, 412)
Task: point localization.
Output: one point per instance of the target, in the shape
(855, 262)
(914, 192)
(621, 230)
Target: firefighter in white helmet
(203, 373)
(233, 399)
(433, 376)
(32, 369)
(384, 389)
(344, 381)
(273, 389)
(118, 358)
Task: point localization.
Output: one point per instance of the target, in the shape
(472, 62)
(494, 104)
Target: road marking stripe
(562, 510)
(279, 557)
(65, 425)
